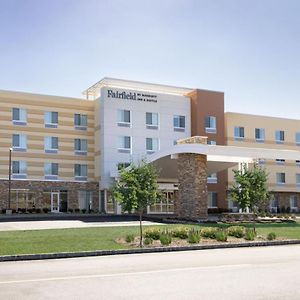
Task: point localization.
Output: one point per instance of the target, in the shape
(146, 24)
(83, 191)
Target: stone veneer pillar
(192, 177)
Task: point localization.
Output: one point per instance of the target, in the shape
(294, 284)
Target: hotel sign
(145, 97)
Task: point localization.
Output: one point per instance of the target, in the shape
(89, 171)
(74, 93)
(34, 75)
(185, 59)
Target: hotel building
(66, 152)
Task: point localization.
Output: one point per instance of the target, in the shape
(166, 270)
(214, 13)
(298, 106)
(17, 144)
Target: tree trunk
(141, 229)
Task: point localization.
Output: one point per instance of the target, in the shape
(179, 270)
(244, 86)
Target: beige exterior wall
(270, 124)
(36, 106)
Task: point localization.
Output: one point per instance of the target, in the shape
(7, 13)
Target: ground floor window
(22, 200)
(233, 205)
(212, 200)
(294, 203)
(110, 204)
(165, 205)
(85, 200)
(274, 204)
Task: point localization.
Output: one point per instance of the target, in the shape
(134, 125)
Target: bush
(209, 232)
(194, 236)
(45, 210)
(38, 210)
(148, 241)
(180, 232)
(221, 236)
(153, 233)
(83, 210)
(236, 231)
(129, 238)
(77, 210)
(271, 236)
(165, 239)
(250, 234)
(70, 210)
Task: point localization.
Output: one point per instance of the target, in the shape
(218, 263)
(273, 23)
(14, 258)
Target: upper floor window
(280, 161)
(19, 116)
(210, 124)
(124, 144)
(279, 136)
(179, 123)
(260, 134)
(151, 120)
(51, 170)
(80, 172)
(80, 146)
(51, 119)
(123, 117)
(80, 121)
(212, 199)
(51, 144)
(280, 178)
(19, 142)
(298, 162)
(212, 178)
(297, 138)
(298, 179)
(123, 165)
(239, 132)
(19, 169)
(152, 145)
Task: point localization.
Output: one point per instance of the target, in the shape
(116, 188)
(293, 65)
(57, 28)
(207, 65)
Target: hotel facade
(66, 153)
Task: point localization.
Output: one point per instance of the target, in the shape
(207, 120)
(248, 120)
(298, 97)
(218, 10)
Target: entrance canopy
(218, 157)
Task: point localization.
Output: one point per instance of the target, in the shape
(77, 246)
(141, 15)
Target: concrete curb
(143, 250)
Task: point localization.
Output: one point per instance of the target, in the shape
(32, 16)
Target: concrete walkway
(37, 225)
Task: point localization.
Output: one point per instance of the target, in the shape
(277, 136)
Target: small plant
(180, 232)
(209, 232)
(271, 236)
(38, 210)
(77, 210)
(153, 233)
(129, 238)
(148, 241)
(250, 234)
(236, 231)
(70, 210)
(221, 236)
(83, 210)
(194, 236)
(165, 239)
(45, 210)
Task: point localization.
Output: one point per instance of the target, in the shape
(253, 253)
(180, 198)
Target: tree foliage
(250, 187)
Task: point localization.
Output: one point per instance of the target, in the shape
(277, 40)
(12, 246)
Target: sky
(250, 50)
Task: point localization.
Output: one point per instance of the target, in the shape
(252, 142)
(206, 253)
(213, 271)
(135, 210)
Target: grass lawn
(102, 238)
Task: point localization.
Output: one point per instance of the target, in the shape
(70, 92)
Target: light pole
(8, 211)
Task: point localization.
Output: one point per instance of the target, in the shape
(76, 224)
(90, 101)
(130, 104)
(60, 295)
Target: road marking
(123, 274)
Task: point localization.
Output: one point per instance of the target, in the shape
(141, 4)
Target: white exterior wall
(167, 106)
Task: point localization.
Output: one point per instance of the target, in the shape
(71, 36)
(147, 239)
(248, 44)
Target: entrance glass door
(55, 202)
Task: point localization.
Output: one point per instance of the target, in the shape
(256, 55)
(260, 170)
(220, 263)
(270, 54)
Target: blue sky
(248, 49)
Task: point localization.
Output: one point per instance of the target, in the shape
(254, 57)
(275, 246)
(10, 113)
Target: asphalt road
(248, 273)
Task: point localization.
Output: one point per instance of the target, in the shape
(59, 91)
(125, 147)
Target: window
(280, 178)
(280, 161)
(80, 172)
(210, 124)
(261, 161)
(233, 205)
(274, 204)
(123, 165)
(80, 146)
(19, 116)
(151, 145)
(298, 162)
(239, 133)
(124, 144)
(19, 142)
(51, 170)
(294, 203)
(212, 178)
(151, 120)
(85, 200)
(260, 135)
(212, 199)
(298, 179)
(179, 123)
(80, 121)
(123, 117)
(19, 169)
(51, 144)
(210, 142)
(279, 136)
(297, 138)
(51, 119)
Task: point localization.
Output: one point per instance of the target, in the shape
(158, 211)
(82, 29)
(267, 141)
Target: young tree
(136, 189)
(250, 188)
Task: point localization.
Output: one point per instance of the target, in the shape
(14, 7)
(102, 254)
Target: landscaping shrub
(250, 234)
(77, 210)
(165, 239)
(148, 241)
(194, 236)
(153, 233)
(221, 236)
(45, 210)
(83, 210)
(129, 238)
(271, 236)
(236, 231)
(180, 232)
(209, 232)
(38, 210)
(70, 210)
